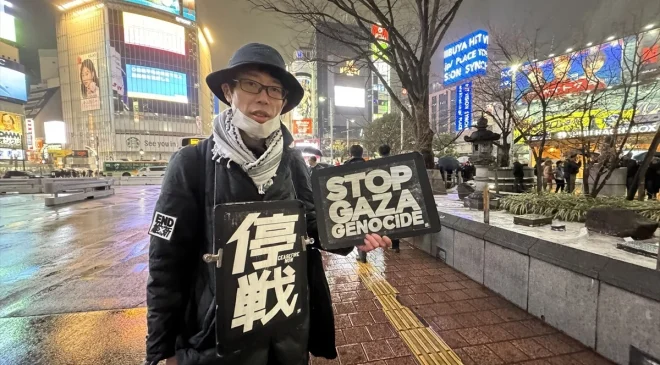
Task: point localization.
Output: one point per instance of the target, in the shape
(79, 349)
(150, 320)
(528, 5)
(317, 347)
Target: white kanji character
(274, 235)
(242, 238)
(251, 297)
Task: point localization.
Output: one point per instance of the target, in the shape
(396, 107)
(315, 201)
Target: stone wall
(608, 305)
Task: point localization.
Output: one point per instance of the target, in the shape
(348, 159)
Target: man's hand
(373, 241)
(171, 361)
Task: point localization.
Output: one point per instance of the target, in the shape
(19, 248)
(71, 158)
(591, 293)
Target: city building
(132, 78)
(13, 94)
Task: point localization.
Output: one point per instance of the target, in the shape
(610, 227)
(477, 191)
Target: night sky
(562, 23)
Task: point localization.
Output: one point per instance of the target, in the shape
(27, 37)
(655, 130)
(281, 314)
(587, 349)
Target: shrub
(573, 208)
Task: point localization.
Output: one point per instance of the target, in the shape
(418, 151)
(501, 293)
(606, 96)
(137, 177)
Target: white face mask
(251, 127)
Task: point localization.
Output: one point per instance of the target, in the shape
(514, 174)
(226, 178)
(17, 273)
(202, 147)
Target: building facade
(13, 95)
(132, 78)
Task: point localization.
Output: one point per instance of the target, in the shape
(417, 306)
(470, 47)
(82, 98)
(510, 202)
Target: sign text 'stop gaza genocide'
(388, 196)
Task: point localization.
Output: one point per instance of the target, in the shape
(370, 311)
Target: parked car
(18, 174)
(152, 171)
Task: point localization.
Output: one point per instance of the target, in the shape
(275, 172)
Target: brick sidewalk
(480, 326)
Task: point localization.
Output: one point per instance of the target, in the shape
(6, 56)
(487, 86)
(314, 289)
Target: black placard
(391, 196)
(261, 286)
(638, 357)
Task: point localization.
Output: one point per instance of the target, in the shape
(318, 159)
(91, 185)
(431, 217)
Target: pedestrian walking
(548, 175)
(571, 170)
(313, 164)
(652, 179)
(384, 151)
(559, 177)
(248, 159)
(356, 151)
(518, 176)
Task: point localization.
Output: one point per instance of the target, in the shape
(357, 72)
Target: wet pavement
(72, 291)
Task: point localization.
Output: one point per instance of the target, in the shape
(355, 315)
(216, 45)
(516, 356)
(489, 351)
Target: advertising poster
(189, 10)
(261, 280)
(117, 72)
(90, 94)
(157, 84)
(304, 109)
(390, 196)
(302, 127)
(170, 6)
(29, 134)
(13, 84)
(593, 68)
(136, 142)
(11, 130)
(649, 54)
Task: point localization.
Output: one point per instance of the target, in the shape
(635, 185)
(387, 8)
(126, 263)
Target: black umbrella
(448, 163)
(311, 151)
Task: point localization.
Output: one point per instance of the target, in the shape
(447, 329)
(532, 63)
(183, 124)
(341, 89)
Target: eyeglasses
(253, 87)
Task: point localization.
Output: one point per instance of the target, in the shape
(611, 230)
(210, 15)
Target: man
(518, 176)
(571, 170)
(631, 169)
(384, 151)
(356, 151)
(313, 164)
(248, 159)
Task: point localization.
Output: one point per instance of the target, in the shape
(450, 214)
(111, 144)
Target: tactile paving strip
(425, 345)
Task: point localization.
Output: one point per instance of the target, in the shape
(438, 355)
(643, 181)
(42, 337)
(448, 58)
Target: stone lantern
(482, 141)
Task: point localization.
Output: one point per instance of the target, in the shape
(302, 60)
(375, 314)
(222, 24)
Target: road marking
(424, 343)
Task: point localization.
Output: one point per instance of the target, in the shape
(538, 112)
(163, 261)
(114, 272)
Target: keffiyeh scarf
(230, 145)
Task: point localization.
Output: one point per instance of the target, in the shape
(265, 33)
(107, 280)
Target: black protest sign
(390, 196)
(261, 286)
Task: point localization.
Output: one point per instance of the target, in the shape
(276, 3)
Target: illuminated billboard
(7, 27)
(12, 82)
(466, 57)
(170, 6)
(11, 130)
(157, 84)
(90, 92)
(189, 10)
(55, 132)
(349, 96)
(154, 33)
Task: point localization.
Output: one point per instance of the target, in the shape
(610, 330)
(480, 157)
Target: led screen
(7, 27)
(154, 33)
(12, 84)
(157, 84)
(349, 96)
(170, 6)
(189, 10)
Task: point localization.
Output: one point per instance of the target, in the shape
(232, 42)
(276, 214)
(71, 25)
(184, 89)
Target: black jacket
(518, 170)
(181, 287)
(354, 160)
(572, 168)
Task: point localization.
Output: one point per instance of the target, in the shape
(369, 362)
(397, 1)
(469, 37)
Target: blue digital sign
(12, 84)
(157, 84)
(171, 7)
(466, 58)
(464, 106)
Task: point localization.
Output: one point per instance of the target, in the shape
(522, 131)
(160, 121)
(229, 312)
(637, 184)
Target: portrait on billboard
(90, 94)
(11, 130)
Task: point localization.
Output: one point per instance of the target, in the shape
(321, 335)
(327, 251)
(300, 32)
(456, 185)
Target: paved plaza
(72, 291)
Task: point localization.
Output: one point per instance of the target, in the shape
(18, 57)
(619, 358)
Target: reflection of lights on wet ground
(15, 333)
(7, 277)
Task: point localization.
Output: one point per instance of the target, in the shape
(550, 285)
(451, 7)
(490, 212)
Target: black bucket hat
(262, 56)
